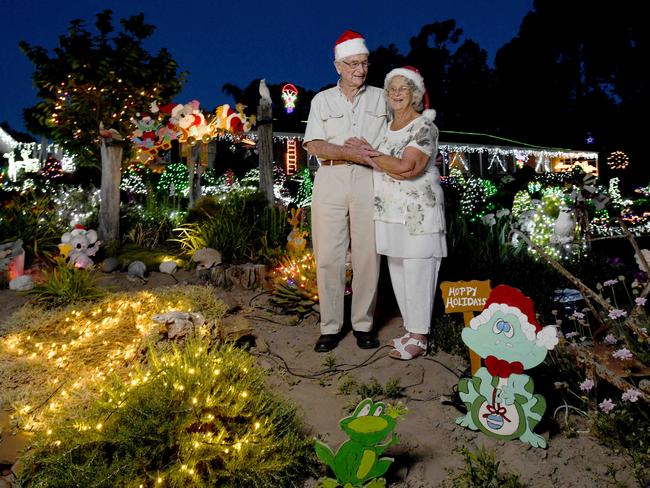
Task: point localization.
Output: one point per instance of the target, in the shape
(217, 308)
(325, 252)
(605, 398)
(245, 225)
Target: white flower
(610, 282)
(640, 301)
(502, 212)
(617, 314)
(578, 315)
(571, 335)
(587, 384)
(622, 353)
(610, 339)
(631, 395)
(606, 405)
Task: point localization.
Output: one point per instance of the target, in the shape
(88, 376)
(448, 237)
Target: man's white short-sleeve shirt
(334, 119)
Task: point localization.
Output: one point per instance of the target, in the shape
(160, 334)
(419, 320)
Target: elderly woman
(409, 207)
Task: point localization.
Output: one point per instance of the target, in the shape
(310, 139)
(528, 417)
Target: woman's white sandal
(400, 352)
(401, 340)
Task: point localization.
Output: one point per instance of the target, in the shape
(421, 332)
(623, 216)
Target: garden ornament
(136, 271)
(296, 241)
(78, 245)
(564, 227)
(499, 397)
(178, 324)
(357, 462)
(206, 258)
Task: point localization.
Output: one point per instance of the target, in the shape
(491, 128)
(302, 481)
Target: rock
(110, 264)
(136, 270)
(233, 328)
(206, 258)
(168, 267)
(22, 283)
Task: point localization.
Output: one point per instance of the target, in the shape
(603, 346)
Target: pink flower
(610, 282)
(617, 314)
(578, 315)
(631, 395)
(610, 339)
(606, 405)
(640, 301)
(622, 353)
(587, 384)
(571, 335)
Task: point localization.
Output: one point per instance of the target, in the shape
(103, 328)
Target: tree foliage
(91, 77)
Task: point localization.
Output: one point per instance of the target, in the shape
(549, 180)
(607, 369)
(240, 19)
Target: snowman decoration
(499, 397)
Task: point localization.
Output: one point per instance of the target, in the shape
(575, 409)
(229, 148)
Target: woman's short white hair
(416, 92)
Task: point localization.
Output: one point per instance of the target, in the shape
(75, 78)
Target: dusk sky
(220, 42)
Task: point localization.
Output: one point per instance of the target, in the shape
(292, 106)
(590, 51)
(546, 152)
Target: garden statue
(357, 460)
(296, 241)
(78, 245)
(499, 397)
(564, 227)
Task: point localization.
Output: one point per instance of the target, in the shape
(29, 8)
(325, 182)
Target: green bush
(200, 416)
(65, 285)
(480, 471)
(241, 226)
(32, 218)
(150, 225)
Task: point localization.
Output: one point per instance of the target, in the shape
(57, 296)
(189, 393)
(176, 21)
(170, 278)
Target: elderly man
(342, 200)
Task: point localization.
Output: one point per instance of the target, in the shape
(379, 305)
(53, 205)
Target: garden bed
(324, 387)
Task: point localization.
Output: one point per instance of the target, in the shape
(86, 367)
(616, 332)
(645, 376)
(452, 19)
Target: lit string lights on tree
(175, 180)
(52, 168)
(133, 179)
(303, 195)
(618, 160)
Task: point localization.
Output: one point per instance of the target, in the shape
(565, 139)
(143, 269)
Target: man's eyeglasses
(356, 64)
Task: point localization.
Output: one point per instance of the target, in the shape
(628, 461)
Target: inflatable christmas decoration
(500, 398)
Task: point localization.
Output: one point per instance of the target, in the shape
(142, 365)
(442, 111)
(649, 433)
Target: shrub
(65, 285)
(200, 416)
(480, 471)
(241, 226)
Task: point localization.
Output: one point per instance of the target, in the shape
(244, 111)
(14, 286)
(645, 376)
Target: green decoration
(499, 397)
(303, 196)
(357, 462)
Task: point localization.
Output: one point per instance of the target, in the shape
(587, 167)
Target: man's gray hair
(417, 94)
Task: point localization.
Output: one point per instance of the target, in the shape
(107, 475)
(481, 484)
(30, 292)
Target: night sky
(236, 42)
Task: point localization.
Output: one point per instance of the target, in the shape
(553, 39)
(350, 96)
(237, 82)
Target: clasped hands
(366, 152)
(363, 151)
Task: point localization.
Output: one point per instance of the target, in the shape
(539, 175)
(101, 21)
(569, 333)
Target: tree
(573, 69)
(104, 77)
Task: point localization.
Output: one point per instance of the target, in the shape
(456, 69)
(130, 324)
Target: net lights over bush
(618, 160)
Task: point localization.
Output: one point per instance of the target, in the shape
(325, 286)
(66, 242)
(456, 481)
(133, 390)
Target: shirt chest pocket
(375, 125)
(333, 123)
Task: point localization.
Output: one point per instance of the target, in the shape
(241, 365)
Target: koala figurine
(78, 246)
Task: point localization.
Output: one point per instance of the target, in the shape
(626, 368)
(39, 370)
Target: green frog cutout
(358, 460)
(500, 399)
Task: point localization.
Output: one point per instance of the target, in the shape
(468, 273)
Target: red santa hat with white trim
(349, 44)
(413, 74)
(507, 299)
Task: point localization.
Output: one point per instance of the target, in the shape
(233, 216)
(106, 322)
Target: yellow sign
(465, 296)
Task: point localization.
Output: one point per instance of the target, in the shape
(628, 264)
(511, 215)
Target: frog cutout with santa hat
(500, 399)
(78, 245)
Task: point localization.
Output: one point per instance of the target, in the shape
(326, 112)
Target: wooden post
(265, 142)
(194, 169)
(109, 207)
(466, 297)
